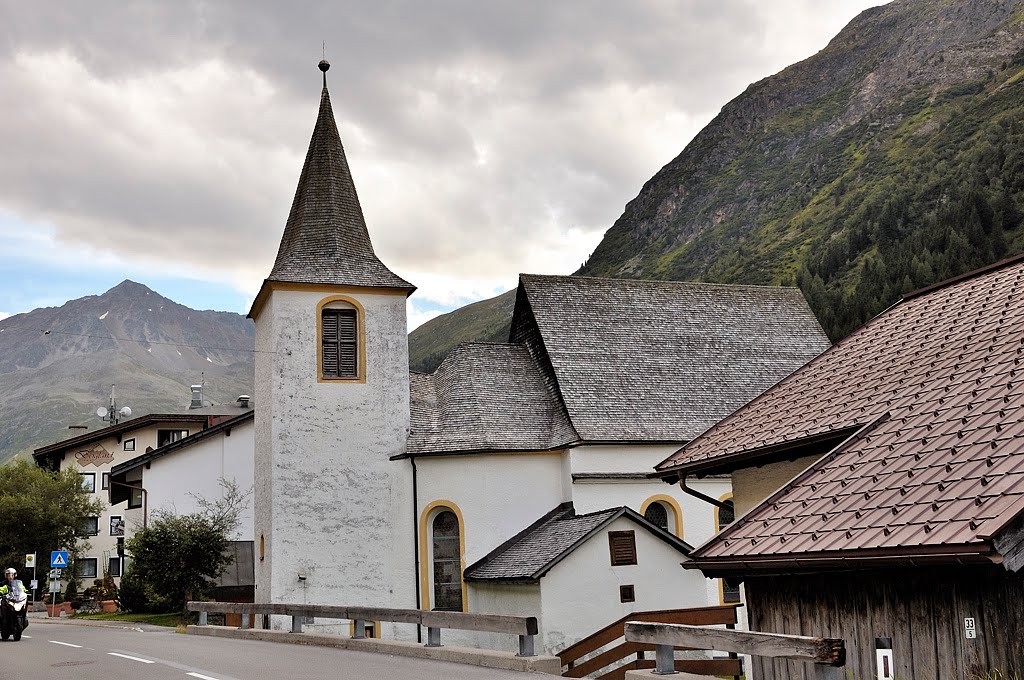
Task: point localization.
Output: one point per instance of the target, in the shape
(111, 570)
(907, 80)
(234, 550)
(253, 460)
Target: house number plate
(970, 632)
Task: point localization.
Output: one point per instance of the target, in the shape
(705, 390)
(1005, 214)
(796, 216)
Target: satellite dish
(101, 412)
(125, 412)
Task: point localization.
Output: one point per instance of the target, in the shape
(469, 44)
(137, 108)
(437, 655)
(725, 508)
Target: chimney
(197, 397)
(243, 401)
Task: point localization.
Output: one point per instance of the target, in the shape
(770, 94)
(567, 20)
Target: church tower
(333, 513)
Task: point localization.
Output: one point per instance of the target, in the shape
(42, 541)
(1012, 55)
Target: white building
(514, 478)
(93, 455)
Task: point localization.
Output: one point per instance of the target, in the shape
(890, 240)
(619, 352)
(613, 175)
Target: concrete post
(526, 646)
(296, 623)
(203, 618)
(359, 629)
(433, 637)
(664, 660)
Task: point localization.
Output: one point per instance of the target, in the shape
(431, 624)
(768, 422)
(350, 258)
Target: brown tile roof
(939, 338)
(936, 470)
(325, 239)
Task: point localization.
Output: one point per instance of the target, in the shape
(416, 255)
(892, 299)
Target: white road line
(133, 658)
(26, 637)
(201, 676)
(66, 644)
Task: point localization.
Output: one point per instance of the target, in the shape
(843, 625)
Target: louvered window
(447, 562)
(339, 336)
(622, 545)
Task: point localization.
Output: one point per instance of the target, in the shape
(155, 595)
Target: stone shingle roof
(486, 397)
(936, 471)
(530, 554)
(325, 239)
(660, 360)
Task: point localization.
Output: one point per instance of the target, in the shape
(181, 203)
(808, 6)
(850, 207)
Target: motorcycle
(13, 612)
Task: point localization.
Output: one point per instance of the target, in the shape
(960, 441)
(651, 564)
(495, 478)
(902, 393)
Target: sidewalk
(41, 617)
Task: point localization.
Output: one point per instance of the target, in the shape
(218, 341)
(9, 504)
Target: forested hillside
(892, 159)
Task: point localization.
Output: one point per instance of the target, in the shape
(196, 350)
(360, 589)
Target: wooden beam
(799, 647)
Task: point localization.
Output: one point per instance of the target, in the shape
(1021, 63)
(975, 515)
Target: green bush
(132, 596)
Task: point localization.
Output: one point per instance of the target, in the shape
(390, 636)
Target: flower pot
(68, 609)
(108, 606)
(54, 609)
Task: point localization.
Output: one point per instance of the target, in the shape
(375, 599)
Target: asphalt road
(55, 650)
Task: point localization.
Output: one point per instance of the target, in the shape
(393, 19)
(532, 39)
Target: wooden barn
(881, 489)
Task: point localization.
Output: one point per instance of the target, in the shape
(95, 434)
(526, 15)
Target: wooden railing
(574, 668)
(523, 626)
(827, 654)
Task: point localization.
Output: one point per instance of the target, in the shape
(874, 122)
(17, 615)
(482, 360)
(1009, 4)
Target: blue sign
(59, 559)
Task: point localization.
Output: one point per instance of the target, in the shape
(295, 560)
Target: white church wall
(498, 495)
(597, 458)
(174, 481)
(503, 598)
(581, 594)
(335, 509)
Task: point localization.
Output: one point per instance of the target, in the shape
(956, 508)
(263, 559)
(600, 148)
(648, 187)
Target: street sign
(59, 559)
(54, 586)
(33, 584)
(30, 560)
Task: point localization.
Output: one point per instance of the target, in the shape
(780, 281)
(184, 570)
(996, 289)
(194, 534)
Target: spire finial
(323, 66)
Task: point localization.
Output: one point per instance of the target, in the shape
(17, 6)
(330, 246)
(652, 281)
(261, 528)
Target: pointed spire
(325, 239)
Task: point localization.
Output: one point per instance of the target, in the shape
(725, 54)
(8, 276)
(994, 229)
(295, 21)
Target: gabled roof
(935, 472)
(223, 427)
(485, 397)
(533, 552)
(325, 240)
(47, 453)
(660, 361)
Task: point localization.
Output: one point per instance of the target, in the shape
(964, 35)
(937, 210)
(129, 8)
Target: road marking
(66, 644)
(133, 658)
(201, 676)
(27, 637)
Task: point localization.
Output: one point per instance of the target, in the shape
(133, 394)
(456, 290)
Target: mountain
(57, 363)
(891, 159)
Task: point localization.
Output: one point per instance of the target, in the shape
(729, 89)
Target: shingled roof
(660, 360)
(935, 471)
(325, 239)
(486, 397)
(533, 552)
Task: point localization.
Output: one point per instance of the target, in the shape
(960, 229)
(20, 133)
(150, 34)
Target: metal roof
(936, 470)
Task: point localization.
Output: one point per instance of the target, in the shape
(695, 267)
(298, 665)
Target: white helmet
(10, 571)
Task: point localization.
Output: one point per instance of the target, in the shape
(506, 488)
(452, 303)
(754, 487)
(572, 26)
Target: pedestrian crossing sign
(59, 559)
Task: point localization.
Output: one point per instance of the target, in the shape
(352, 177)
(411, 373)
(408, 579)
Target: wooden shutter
(339, 338)
(622, 545)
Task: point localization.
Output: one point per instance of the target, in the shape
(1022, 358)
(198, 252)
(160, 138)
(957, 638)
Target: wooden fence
(523, 626)
(573, 667)
(827, 654)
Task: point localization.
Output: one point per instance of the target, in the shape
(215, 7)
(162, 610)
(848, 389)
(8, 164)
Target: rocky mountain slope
(57, 363)
(891, 159)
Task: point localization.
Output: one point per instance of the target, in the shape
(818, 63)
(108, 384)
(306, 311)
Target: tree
(40, 511)
(180, 556)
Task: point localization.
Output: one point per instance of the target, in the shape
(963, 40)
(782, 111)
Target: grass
(169, 620)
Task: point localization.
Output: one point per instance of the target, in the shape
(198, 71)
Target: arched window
(340, 354)
(726, 515)
(446, 561)
(657, 515)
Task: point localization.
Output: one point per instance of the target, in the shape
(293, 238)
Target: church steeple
(325, 239)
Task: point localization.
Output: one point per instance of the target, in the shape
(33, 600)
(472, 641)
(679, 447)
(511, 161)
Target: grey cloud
(552, 111)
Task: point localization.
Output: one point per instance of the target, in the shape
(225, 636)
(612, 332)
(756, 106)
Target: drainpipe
(697, 494)
(416, 544)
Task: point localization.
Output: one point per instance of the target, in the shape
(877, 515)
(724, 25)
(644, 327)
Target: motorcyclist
(11, 582)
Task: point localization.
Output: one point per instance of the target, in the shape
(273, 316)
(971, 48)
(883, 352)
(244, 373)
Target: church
(518, 478)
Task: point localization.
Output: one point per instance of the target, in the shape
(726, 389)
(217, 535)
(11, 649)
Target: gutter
(698, 495)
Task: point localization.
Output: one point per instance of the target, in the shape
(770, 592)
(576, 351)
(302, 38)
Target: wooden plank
(819, 650)
(757, 604)
(946, 629)
(696, 616)
(616, 653)
(974, 659)
(992, 631)
(620, 672)
(710, 666)
(491, 623)
(921, 626)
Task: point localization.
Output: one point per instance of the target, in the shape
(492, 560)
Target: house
(882, 488)
(95, 453)
(492, 484)
(177, 475)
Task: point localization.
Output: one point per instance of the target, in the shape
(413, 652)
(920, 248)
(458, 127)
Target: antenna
(113, 415)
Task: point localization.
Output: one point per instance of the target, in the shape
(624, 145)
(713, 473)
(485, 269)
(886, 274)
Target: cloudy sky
(161, 141)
